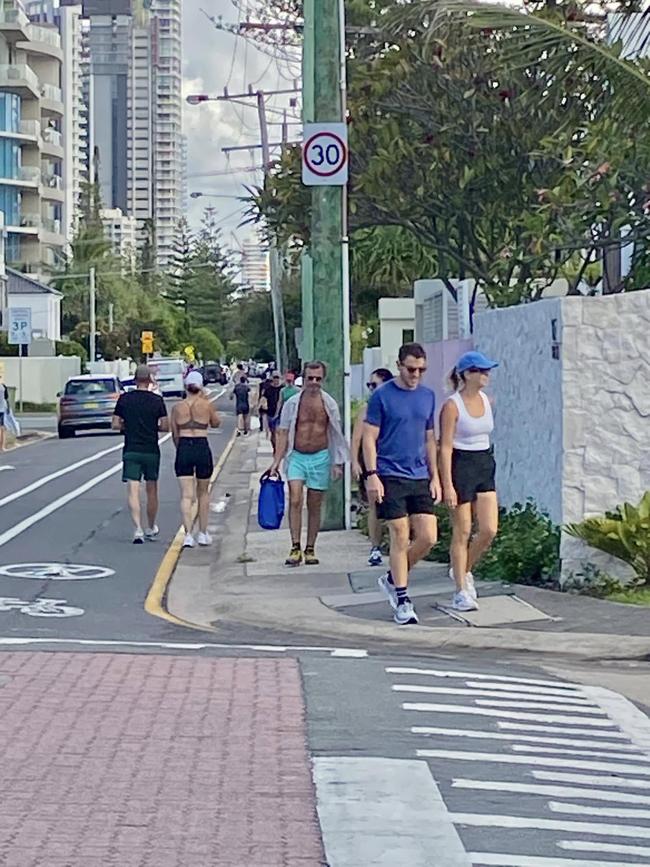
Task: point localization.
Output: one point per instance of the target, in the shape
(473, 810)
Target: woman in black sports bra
(190, 421)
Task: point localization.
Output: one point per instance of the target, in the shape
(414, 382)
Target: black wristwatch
(369, 473)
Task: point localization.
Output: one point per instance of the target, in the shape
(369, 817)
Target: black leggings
(194, 458)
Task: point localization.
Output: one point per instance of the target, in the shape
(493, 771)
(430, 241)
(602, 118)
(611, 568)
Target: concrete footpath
(242, 582)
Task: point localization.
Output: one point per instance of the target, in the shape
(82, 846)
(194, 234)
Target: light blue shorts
(312, 469)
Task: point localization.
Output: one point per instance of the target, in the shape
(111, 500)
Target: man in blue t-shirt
(399, 450)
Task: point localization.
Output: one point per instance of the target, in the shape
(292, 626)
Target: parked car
(86, 403)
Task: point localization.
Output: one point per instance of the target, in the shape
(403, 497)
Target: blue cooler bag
(270, 503)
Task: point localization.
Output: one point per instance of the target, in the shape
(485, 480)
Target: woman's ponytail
(454, 379)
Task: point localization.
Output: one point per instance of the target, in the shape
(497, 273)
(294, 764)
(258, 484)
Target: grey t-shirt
(4, 398)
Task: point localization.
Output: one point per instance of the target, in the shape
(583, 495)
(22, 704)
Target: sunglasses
(414, 370)
(478, 370)
(371, 386)
(314, 379)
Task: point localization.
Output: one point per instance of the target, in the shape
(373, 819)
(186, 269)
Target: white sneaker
(470, 587)
(152, 532)
(188, 541)
(204, 539)
(138, 537)
(375, 558)
(464, 602)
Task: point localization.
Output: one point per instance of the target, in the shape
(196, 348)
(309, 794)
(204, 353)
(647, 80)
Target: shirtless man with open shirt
(309, 435)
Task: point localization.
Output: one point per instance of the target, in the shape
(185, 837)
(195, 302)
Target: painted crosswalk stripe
(527, 727)
(516, 823)
(605, 848)
(541, 691)
(497, 859)
(609, 812)
(537, 739)
(506, 714)
(444, 690)
(598, 754)
(551, 791)
(472, 675)
(500, 758)
(372, 808)
(591, 780)
(630, 719)
(534, 705)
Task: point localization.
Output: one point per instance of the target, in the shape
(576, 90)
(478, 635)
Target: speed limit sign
(325, 155)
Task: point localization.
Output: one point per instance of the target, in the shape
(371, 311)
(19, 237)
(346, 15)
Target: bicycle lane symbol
(55, 571)
(40, 607)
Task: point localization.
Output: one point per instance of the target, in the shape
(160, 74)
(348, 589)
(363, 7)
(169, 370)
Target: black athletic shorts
(194, 458)
(472, 473)
(405, 497)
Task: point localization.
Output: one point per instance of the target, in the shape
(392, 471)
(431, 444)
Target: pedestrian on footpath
(141, 415)
(468, 472)
(273, 404)
(263, 404)
(241, 396)
(310, 437)
(289, 390)
(399, 450)
(4, 412)
(375, 526)
(194, 465)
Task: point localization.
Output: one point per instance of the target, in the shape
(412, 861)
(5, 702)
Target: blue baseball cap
(475, 359)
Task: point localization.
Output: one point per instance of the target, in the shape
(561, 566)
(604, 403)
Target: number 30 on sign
(325, 155)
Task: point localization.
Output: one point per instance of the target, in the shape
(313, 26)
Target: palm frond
(598, 60)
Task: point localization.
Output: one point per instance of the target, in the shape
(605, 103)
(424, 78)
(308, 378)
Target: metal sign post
(20, 334)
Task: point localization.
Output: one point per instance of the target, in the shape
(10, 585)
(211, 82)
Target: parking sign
(20, 325)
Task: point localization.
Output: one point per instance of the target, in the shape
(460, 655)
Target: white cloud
(213, 60)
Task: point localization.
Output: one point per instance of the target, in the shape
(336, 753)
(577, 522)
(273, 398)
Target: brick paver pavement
(154, 761)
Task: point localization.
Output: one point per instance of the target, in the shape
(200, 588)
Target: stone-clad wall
(606, 387)
(572, 405)
(527, 388)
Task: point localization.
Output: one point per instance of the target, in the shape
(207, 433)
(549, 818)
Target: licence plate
(91, 406)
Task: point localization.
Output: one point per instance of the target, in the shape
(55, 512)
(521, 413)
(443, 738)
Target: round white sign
(325, 154)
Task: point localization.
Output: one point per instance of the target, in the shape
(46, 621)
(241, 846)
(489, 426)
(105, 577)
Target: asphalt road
(450, 760)
(63, 502)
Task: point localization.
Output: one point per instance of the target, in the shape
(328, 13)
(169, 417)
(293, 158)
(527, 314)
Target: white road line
(57, 504)
(539, 691)
(513, 823)
(589, 780)
(57, 475)
(343, 652)
(434, 672)
(501, 758)
(535, 705)
(498, 736)
(599, 754)
(610, 812)
(614, 848)
(497, 859)
(444, 690)
(629, 718)
(484, 711)
(526, 727)
(551, 791)
(381, 812)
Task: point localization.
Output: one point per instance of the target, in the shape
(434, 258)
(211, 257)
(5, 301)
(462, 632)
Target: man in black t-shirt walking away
(140, 415)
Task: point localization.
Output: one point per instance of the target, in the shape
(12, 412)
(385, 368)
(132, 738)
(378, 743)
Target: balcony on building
(52, 142)
(14, 23)
(43, 40)
(21, 176)
(18, 78)
(51, 99)
(51, 185)
(27, 224)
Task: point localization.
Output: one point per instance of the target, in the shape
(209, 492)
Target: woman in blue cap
(468, 471)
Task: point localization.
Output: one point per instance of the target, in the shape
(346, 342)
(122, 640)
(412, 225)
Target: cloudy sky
(213, 60)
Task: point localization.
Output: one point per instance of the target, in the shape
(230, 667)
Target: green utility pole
(323, 44)
(306, 269)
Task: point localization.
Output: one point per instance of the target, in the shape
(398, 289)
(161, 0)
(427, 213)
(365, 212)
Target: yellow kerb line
(155, 603)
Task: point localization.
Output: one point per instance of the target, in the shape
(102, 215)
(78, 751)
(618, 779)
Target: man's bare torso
(312, 425)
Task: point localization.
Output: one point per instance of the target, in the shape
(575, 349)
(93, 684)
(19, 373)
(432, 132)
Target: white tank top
(472, 434)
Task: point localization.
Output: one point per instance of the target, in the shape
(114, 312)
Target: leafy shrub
(592, 581)
(526, 549)
(623, 533)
